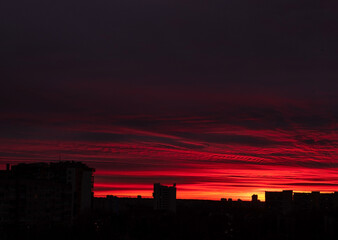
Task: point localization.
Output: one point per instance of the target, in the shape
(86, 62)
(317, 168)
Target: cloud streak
(220, 156)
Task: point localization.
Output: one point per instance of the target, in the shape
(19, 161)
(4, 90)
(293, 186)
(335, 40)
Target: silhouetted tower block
(164, 197)
(81, 179)
(279, 201)
(75, 174)
(254, 198)
(47, 192)
(30, 199)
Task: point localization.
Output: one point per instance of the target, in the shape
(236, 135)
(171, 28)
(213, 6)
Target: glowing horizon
(207, 158)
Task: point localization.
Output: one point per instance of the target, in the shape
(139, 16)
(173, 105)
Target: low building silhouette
(279, 201)
(164, 197)
(288, 200)
(315, 201)
(107, 205)
(254, 198)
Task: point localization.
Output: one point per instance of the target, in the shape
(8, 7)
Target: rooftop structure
(164, 197)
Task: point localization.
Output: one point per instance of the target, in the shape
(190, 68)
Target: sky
(225, 98)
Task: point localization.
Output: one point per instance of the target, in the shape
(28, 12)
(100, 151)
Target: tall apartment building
(45, 193)
(164, 197)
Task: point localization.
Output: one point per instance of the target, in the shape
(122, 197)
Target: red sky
(224, 98)
(228, 154)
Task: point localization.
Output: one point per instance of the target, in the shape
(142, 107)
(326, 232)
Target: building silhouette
(315, 201)
(45, 193)
(279, 201)
(288, 200)
(108, 205)
(254, 198)
(164, 197)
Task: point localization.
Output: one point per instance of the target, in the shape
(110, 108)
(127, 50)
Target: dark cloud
(82, 56)
(232, 139)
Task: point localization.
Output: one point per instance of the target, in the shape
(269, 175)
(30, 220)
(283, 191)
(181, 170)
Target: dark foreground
(136, 219)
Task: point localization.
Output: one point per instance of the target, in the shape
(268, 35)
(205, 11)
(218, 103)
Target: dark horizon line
(234, 200)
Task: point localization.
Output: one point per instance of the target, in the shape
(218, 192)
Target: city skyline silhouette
(56, 200)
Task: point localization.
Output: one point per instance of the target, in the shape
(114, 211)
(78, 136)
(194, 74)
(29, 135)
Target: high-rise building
(45, 192)
(164, 197)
